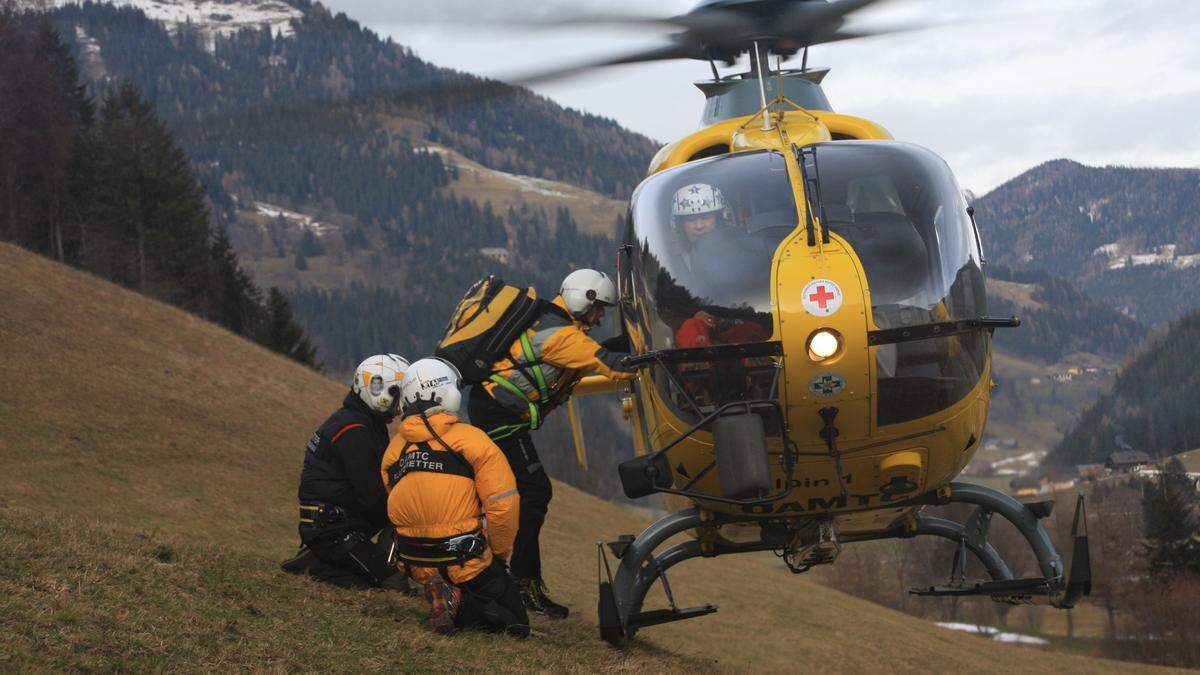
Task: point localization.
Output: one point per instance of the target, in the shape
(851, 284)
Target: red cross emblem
(822, 297)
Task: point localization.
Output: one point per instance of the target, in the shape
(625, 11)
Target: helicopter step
(1009, 591)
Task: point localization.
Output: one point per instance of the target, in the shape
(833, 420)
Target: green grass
(147, 495)
(85, 595)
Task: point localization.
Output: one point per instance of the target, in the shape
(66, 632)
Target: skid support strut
(1054, 587)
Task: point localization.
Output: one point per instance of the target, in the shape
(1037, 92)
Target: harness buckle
(470, 545)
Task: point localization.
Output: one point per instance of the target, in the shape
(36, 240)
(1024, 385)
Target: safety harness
(425, 458)
(531, 368)
(438, 552)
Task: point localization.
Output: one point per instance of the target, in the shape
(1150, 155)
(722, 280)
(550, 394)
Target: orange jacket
(435, 505)
(565, 352)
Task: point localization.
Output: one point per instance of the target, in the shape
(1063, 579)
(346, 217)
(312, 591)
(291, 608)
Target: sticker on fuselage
(822, 297)
(827, 385)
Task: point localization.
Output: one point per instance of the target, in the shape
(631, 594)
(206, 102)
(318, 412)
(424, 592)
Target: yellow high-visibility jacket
(429, 504)
(563, 351)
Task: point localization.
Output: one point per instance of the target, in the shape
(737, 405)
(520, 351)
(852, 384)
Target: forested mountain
(109, 190)
(314, 148)
(1056, 318)
(334, 98)
(1152, 406)
(1128, 237)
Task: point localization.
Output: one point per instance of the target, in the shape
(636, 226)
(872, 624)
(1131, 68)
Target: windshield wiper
(812, 191)
(929, 331)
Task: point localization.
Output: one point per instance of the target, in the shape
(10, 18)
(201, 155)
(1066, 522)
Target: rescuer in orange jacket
(538, 375)
(454, 503)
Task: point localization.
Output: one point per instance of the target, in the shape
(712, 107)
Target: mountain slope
(1152, 405)
(1056, 318)
(1060, 360)
(332, 165)
(150, 467)
(1128, 237)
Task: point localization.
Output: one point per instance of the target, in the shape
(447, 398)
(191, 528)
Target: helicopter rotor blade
(677, 50)
(815, 23)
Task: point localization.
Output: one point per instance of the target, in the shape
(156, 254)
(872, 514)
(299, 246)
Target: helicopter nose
(823, 326)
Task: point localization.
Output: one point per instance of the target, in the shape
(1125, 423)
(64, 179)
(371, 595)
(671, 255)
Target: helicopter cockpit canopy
(899, 208)
(704, 237)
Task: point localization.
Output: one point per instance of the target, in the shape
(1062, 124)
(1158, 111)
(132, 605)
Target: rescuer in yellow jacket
(454, 503)
(538, 375)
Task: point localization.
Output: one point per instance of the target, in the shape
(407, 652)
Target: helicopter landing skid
(1053, 588)
(623, 591)
(622, 594)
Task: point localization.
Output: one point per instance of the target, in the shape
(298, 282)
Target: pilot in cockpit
(697, 210)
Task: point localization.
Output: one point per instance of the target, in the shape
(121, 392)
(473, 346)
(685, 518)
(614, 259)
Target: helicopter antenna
(804, 63)
(713, 64)
(762, 87)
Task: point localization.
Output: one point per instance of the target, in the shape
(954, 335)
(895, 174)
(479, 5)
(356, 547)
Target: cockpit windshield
(704, 237)
(898, 206)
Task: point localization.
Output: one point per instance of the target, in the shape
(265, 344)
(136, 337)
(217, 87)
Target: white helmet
(697, 199)
(584, 288)
(431, 386)
(377, 382)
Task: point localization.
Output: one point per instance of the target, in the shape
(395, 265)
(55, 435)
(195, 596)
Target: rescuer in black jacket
(343, 501)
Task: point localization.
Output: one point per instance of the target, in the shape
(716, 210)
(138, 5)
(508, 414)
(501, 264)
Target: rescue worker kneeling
(343, 503)
(454, 502)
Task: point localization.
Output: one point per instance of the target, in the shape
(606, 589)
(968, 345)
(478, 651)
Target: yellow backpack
(485, 324)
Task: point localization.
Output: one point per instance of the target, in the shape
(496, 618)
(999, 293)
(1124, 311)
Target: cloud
(1007, 85)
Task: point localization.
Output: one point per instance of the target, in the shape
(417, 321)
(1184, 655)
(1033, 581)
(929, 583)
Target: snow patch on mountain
(89, 54)
(297, 219)
(539, 186)
(1167, 254)
(215, 17)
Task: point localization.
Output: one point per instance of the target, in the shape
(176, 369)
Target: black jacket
(341, 463)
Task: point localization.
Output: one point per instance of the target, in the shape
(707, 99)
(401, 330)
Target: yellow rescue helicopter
(804, 297)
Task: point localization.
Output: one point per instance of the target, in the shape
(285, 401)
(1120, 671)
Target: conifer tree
(283, 335)
(1172, 543)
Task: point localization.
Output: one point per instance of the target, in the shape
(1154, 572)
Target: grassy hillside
(146, 496)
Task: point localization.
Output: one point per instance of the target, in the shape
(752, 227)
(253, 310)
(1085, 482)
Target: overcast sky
(1099, 81)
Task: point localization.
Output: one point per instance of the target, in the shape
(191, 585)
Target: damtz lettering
(820, 504)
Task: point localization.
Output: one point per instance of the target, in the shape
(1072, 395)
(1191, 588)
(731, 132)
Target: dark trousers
(347, 556)
(532, 482)
(536, 492)
(491, 601)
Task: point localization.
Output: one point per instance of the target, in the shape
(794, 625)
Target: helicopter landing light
(824, 345)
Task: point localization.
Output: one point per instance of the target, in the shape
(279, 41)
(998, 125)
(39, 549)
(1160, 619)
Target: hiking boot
(300, 562)
(444, 601)
(401, 583)
(533, 594)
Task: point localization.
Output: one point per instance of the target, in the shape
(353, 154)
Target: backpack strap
(425, 459)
